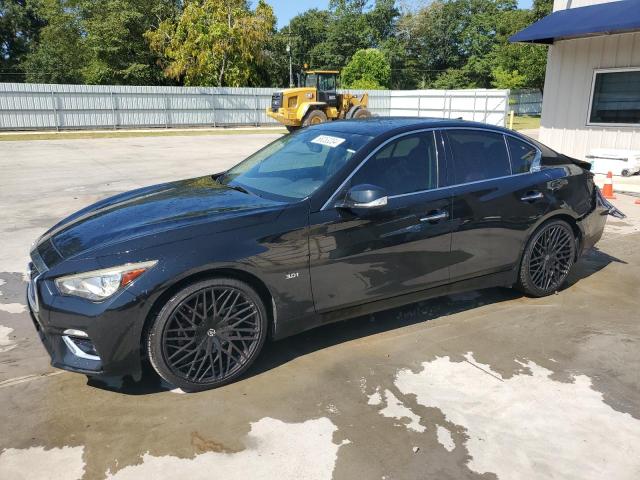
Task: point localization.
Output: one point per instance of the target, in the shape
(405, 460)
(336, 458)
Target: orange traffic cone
(607, 190)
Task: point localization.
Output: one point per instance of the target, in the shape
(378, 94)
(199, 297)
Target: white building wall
(567, 93)
(564, 4)
(567, 89)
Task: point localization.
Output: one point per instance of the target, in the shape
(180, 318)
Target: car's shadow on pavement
(283, 351)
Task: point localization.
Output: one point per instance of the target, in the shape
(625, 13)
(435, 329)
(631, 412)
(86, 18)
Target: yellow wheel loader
(316, 101)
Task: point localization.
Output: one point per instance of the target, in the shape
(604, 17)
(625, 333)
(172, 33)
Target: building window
(615, 98)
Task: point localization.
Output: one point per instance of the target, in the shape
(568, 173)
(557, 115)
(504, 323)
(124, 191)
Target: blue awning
(603, 19)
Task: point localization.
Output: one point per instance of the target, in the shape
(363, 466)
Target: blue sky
(285, 9)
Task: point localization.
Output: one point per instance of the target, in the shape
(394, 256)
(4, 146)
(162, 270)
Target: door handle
(532, 196)
(434, 217)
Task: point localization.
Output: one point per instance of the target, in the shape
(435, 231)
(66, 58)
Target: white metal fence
(65, 107)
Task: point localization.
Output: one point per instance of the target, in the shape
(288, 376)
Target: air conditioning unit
(618, 162)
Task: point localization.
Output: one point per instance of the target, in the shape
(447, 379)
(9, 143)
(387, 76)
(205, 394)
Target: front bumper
(113, 330)
(284, 117)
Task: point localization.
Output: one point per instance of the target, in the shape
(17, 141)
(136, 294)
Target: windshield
(294, 166)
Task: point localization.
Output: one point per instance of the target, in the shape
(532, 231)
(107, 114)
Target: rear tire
(626, 173)
(314, 117)
(361, 114)
(548, 257)
(291, 128)
(207, 334)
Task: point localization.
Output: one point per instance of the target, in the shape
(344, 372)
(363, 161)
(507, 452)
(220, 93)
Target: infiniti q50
(335, 221)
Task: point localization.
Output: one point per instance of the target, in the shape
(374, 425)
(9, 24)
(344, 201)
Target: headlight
(101, 284)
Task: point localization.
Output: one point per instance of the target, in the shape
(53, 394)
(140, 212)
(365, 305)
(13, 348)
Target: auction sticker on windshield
(328, 140)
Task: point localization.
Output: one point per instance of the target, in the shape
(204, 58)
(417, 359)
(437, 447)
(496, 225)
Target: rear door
(498, 195)
(397, 249)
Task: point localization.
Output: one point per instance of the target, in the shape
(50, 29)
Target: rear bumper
(592, 225)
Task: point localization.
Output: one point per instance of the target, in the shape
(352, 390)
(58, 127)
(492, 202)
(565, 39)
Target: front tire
(361, 114)
(314, 117)
(207, 334)
(548, 257)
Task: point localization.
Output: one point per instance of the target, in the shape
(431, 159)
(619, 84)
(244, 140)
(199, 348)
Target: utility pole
(291, 85)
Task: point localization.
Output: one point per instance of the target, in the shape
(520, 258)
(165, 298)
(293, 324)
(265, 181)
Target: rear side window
(406, 165)
(478, 155)
(522, 155)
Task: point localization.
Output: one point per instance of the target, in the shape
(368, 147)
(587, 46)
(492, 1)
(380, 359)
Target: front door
(327, 89)
(357, 257)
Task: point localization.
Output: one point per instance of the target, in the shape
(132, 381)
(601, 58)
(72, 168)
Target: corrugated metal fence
(65, 107)
(526, 102)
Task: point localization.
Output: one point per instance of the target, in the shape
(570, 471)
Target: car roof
(381, 125)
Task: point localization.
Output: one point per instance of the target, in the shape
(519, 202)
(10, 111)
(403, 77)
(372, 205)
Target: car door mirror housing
(367, 197)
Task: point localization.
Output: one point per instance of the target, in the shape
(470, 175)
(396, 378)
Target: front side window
(616, 97)
(408, 164)
(311, 80)
(522, 155)
(478, 155)
(294, 166)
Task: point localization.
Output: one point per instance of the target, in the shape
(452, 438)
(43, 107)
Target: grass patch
(525, 122)
(20, 137)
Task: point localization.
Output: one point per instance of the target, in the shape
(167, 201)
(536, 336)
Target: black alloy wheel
(548, 258)
(208, 334)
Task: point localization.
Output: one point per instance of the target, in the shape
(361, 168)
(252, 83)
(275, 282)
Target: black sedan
(335, 221)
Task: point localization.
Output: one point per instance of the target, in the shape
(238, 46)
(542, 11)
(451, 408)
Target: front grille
(276, 101)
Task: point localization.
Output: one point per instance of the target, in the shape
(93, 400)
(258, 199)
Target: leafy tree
(455, 34)
(451, 79)
(60, 54)
(506, 79)
(97, 41)
(541, 8)
(529, 60)
(368, 68)
(349, 26)
(305, 32)
(215, 42)
(19, 28)
(119, 53)
(348, 32)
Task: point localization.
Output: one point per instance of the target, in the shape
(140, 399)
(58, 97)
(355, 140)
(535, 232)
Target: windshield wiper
(238, 188)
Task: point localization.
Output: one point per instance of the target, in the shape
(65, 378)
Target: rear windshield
(296, 165)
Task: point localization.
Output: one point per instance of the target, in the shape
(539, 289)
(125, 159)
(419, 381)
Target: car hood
(148, 211)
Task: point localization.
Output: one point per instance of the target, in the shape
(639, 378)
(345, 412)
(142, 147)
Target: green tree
(305, 31)
(455, 34)
(367, 68)
(215, 42)
(349, 26)
(60, 53)
(529, 60)
(19, 28)
(115, 29)
(506, 79)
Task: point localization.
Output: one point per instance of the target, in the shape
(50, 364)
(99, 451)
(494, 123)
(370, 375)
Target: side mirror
(368, 197)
